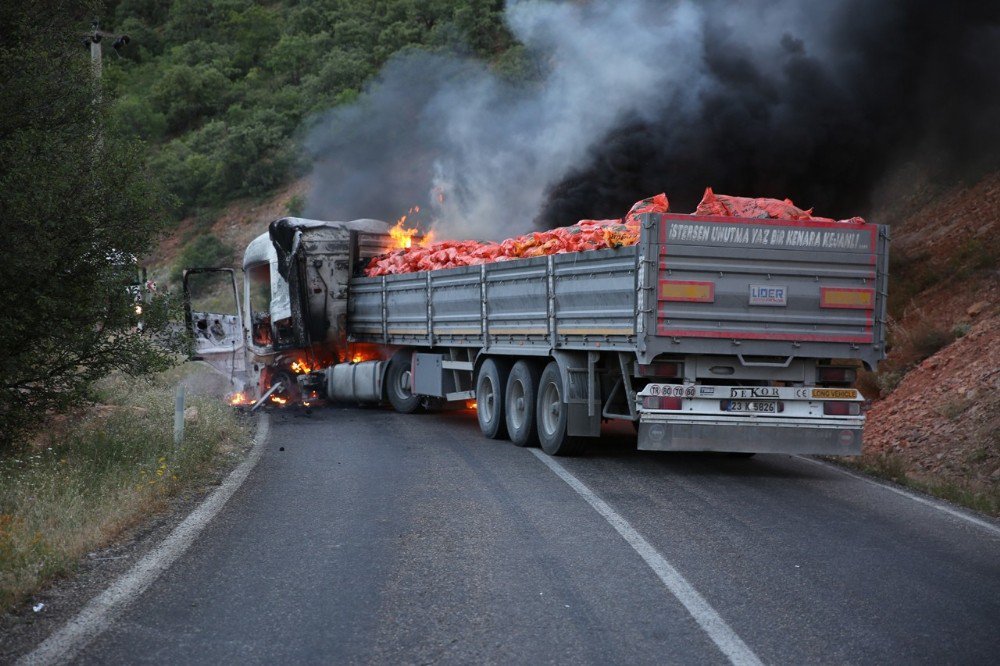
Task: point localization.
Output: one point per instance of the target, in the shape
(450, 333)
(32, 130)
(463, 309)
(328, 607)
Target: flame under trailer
(710, 334)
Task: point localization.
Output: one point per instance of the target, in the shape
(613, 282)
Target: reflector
(844, 297)
(687, 291)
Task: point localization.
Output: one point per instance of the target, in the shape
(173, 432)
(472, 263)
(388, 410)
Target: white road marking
(916, 498)
(707, 618)
(101, 611)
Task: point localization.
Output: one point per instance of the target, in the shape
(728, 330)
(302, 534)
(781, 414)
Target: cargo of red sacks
(584, 235)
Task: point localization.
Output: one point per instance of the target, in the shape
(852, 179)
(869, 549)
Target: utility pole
(95, 48)
(93, 41)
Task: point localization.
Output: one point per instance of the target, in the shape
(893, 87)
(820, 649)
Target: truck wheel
(491, 381)
(397, 386)
(552, 414)
(519, 403)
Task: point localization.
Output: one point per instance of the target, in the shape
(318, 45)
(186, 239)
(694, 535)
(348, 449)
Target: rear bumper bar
(835, 437)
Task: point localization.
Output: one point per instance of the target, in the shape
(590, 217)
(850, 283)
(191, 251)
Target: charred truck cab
(292, 315)
(710, 334)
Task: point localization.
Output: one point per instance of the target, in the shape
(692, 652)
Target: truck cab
(291, 316)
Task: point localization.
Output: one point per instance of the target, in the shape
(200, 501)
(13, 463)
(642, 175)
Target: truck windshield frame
(258, 297)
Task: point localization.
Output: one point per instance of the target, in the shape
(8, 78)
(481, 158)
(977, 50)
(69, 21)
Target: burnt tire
(491, 382)
(520, 398)
(552, 414)
(397, 386)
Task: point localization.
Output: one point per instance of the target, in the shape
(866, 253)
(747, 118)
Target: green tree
(79, 207)
(185, 93)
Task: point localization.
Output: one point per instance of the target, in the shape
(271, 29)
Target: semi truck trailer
(710, 334)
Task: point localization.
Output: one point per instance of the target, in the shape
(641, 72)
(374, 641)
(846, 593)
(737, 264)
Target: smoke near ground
(814, 101)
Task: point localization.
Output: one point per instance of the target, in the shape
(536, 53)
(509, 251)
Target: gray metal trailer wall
(620, 299)
(583, 300)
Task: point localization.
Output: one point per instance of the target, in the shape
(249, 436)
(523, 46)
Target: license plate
(755, 406)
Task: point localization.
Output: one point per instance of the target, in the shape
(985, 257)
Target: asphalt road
(375, 537)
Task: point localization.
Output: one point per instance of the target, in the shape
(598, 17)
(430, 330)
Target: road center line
(101, 611)
(707, 618)
(913, 496)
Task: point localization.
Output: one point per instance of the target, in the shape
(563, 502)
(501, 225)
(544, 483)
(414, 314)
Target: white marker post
(179, 417)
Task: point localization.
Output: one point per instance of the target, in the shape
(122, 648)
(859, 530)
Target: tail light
(839, 408)
(660, 370)
(671, 403)
(834, 374)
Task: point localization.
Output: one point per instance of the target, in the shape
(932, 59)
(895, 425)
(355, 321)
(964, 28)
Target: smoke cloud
(816, 101)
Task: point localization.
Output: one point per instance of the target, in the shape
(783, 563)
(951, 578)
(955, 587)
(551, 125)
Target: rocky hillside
(936, 419)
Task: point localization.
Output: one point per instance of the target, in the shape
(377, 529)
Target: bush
(927, 338)
(136, 116)
(205, 251)
(295, 205)
(888, 380)
(256, 156)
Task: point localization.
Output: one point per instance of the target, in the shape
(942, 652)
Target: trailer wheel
(552, 415)
(397, 386)
(491, 381)
(520, 398)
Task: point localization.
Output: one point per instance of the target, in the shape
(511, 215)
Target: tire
(397, 386)
(552, 412)
(491, 384)
(740, 454)
(520, 398)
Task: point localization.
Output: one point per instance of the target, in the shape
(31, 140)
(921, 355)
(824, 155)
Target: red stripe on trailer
(751, 335)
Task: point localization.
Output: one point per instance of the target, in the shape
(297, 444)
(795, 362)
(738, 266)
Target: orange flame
(300, 367)
(471, 404)
(278, 400)
(402, 236)
(239, 398)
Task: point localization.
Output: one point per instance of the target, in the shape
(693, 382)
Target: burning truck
(738, 328)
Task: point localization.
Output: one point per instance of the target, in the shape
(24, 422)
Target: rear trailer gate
(787, 288)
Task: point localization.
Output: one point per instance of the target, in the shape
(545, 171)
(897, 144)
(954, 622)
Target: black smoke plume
(816, 101)
(819, 109)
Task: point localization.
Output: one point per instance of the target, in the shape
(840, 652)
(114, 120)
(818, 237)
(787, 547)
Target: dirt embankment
(938, 419)
(235, 225)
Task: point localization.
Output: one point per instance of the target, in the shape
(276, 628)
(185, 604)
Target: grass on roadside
(982, 497)
(77, 487)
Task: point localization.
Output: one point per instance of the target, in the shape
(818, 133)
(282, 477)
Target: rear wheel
(520, 399)
(491, 381)
(552, 415)
(397, 386)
